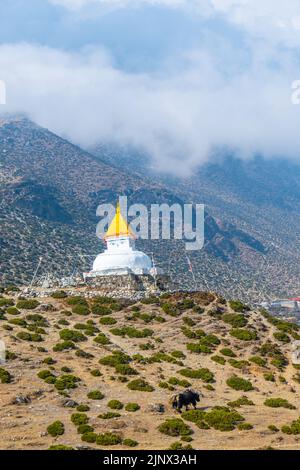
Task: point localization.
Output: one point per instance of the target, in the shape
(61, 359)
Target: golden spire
(118, 226)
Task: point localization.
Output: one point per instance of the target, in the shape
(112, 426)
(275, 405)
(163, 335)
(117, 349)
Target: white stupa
(120, 256)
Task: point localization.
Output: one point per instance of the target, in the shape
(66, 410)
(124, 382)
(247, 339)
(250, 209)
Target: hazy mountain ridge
(50, 190)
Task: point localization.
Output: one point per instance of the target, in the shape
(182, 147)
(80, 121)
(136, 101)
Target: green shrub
(32, 337)
(175, 427)
(179, 446)
(279, 403)
(282, 337)
(181, 383)
(59, 294)
(238, 383)
(235, 320)
(96, 373)
(238, 364)
(66, 382)
(29, 304)
(49, 361)
(107, 321)
(79, 418)
(204, 374)
(294, 428)
(178, 354)
(243, 401)
(243, 334)
(72, 335)
(80, 309)
(101, 339)
(219, 360)
(12, 311)
(125, 369)
(245, 427)
(65, 345)
(115, 404)
(18, 321)
(77, 300)
(89, 437)
(108, 439)
(170, 309)
(116, 358)
(95, 395)
(60, 447)
(101, 310)
(5, 302)
(130, 443)
(273, 428)
(227, 352)
(195, 416)
(83, 408)
(198, 348)
(5, 377)
(223, 418)
(56, 429)
(131, 332)
(269, 377)
(140, 385)
(259, 361)
(238, 306)
(109, 415)
(132, 407)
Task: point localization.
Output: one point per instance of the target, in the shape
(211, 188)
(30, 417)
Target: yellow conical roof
(118, 226)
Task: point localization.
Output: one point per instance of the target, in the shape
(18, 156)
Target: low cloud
(179, 118)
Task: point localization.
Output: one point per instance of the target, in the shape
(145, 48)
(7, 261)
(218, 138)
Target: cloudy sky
(176, 78)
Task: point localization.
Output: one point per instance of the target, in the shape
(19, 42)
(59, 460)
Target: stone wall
(129, 286)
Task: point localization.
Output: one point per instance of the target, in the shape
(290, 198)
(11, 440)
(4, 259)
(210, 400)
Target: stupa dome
(120, 256)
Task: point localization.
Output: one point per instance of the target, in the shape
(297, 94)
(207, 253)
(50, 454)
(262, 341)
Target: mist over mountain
(50, 190)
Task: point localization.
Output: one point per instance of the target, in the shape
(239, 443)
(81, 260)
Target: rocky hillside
(49, 193)
(100, 373)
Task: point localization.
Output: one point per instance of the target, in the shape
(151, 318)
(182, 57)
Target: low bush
(108, 439)
(102, 339)
(72, 335)
(89, 436)
(175, 427)
(109, 415)
(115, 404)
(269, 377)
(227, 352)
(204, 374)
(95, 395)
(132, 407)
(282, 337)
(130, 443)
(238, 364)
(79, 418)
(293, 428)
(243, 401)
(80, 309)
(279, 403)
(107, 321)
(181, 383)
(59, 294)
(244, 334)
(223, 418)
(56, 429)
(140, 385)
(66, 382)
(65, 345)
(238, 383)
(259, 361)
(32, 337)
(29, 304)
(235, 320)
(219, 360)
(5, 376)
(132, 332)
(245, 427)
(238, 306)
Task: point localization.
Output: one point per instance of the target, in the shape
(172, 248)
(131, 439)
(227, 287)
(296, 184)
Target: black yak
(185, 399)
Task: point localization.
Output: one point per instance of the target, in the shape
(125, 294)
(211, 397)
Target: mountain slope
(50, 190)
(198, 346)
